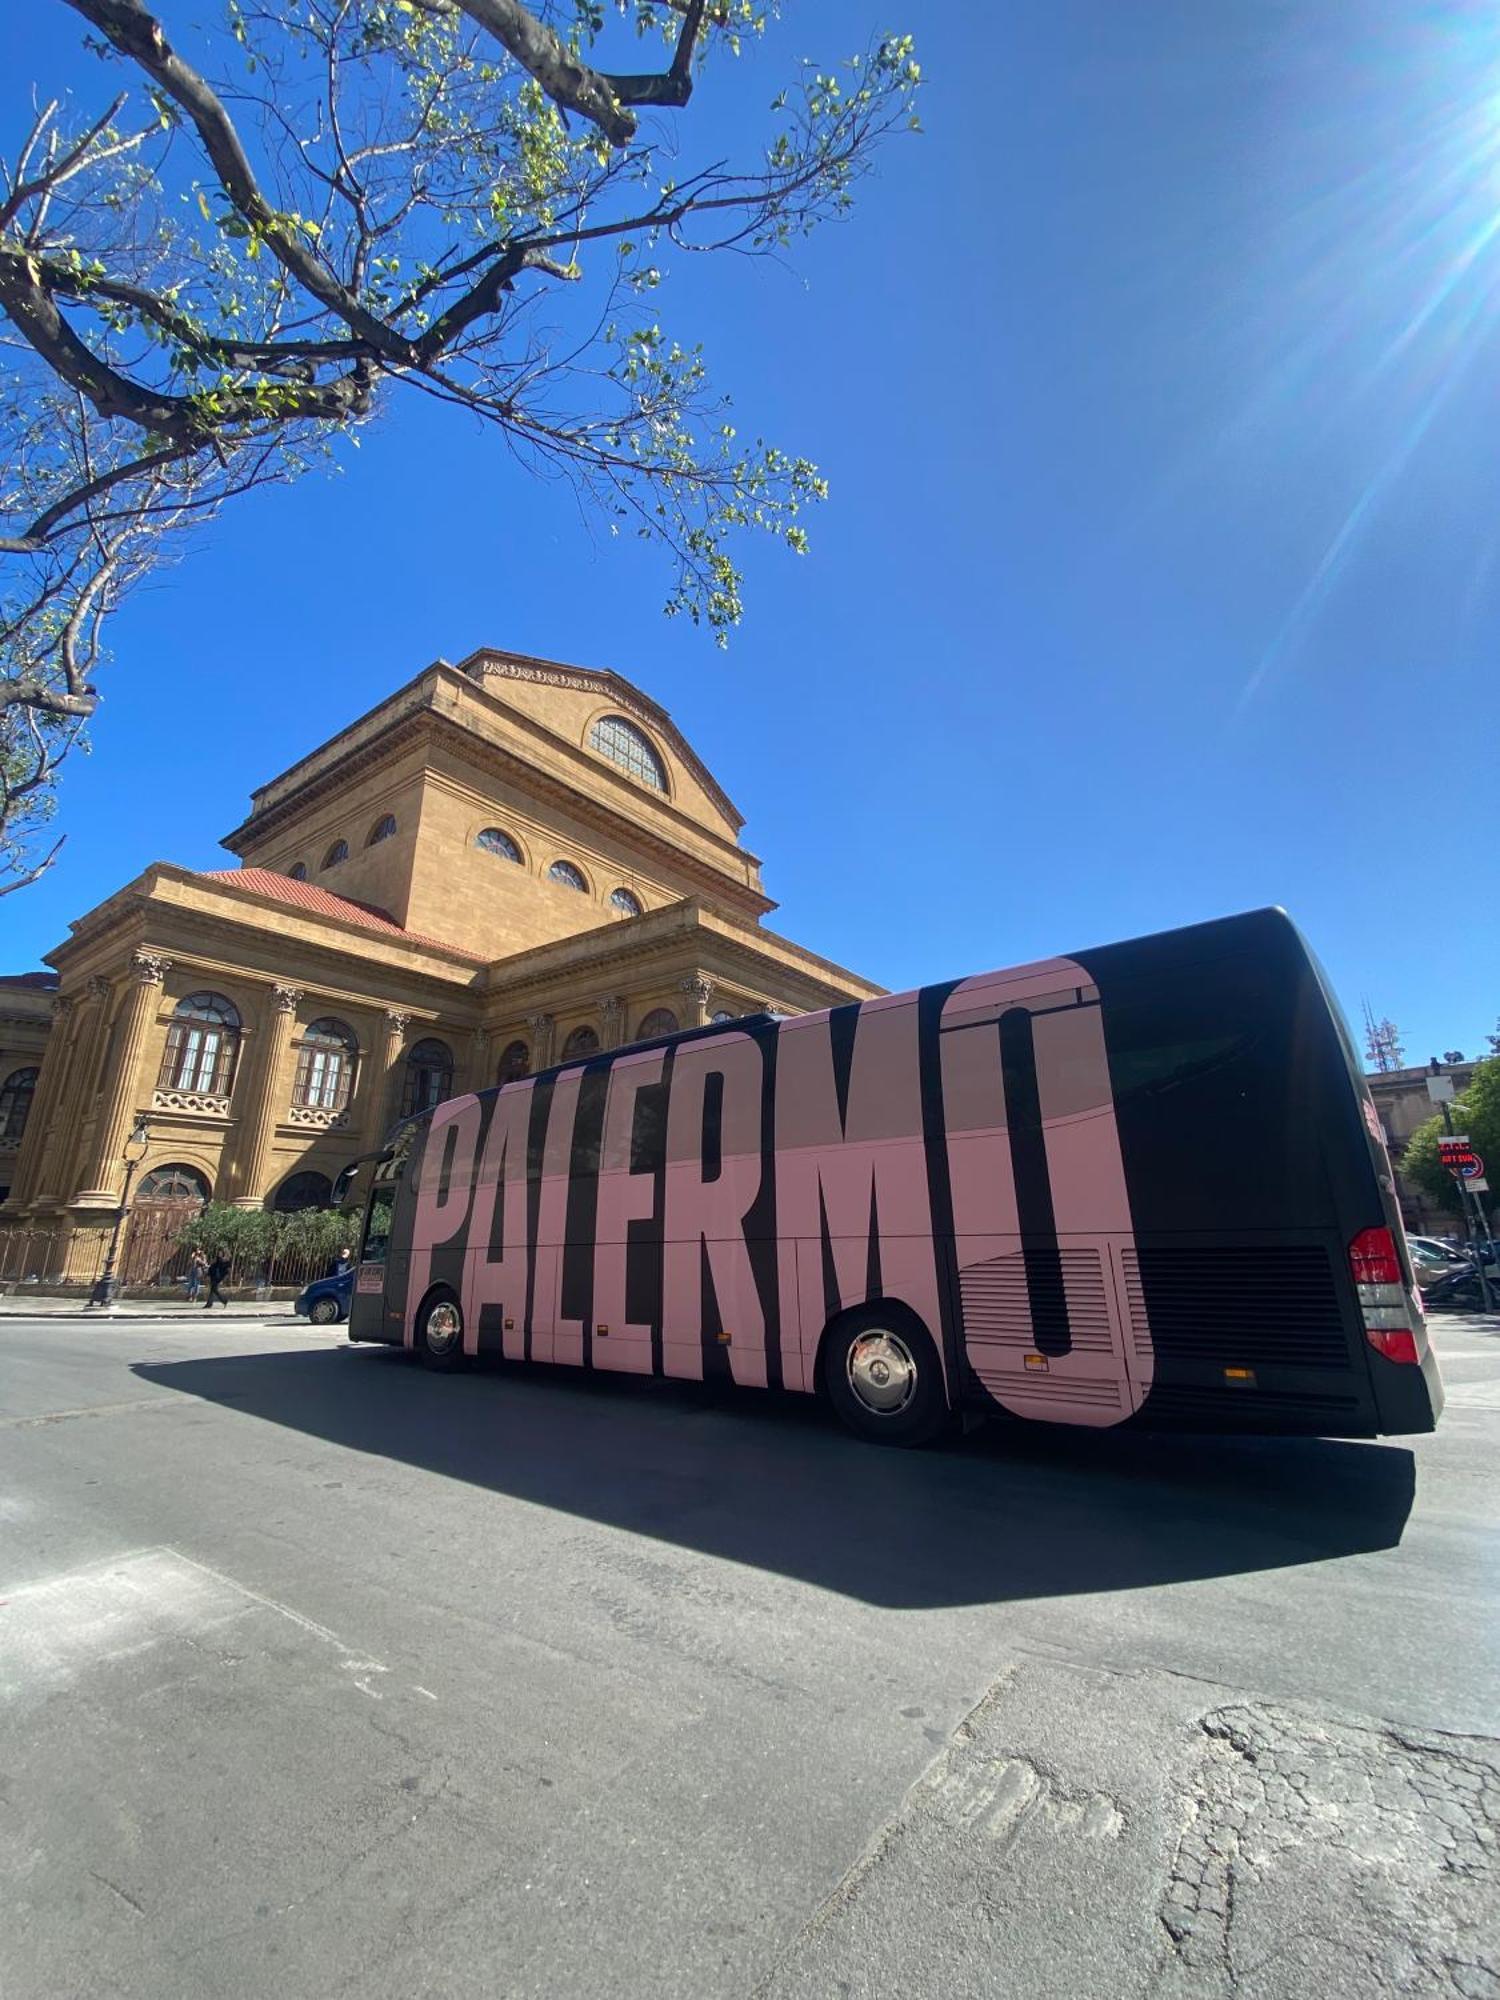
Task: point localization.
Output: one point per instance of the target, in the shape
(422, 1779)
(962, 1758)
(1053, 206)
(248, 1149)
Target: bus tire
(882, 1374)
(440, 1330)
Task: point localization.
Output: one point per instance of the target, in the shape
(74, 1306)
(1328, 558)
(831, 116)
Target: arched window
(515, 1060)
(582, 1042)
(722, 1016)
(298, 871)
(660, 1021)
(631, 748)
(627, 903)
(326, 1056)
(16, 1094)
(429, 1077)
(569, 876)
(172, 1184)
(202, 1045)
(337, 853)
(304, 1190)
(493, 841)
(383, 828)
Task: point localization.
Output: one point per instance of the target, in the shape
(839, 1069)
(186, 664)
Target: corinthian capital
(149, 968)
(286, 998)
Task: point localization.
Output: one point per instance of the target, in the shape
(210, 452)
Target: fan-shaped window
(383, 828)
(660, 1021)
(304, 1190)
(623, 744)
(493, 841)
(628, 904)
(569, 876)
(515, 1060)
(337, 853)
(429, 1077)
(582, 1042)
(202, 1045)
(298, 871)
(326, 1056)
(172, 1184)
(16, 1094)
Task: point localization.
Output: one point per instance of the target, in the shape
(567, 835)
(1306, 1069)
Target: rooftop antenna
(1383, 1047)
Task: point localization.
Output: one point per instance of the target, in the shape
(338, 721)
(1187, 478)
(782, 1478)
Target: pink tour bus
(1143, 1185)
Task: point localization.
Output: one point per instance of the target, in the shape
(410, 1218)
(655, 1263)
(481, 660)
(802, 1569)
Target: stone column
(104, 1169)
(696, 993)
(541, 1026)
(51, 1084)
(612, 1020)
(474, 1066)
(59, 1168)
(381, 1102)
(264, 1094)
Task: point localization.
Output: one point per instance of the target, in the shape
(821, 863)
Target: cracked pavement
(319, 1675)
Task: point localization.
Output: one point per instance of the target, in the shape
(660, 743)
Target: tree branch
(136, 33)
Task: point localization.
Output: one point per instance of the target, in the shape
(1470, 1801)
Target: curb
(116, 1318)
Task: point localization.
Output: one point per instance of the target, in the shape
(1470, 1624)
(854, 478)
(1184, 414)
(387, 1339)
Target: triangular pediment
(514, 673)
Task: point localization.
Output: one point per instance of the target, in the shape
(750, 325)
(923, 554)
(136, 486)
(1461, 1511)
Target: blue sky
(1157, 388)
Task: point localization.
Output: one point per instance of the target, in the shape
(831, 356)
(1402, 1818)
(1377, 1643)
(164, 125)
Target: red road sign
(1472, 1167)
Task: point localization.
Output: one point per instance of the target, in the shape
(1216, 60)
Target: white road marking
(51, 1631)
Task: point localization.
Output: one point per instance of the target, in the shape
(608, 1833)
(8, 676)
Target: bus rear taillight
(1373, 1258)
(1375, 1266)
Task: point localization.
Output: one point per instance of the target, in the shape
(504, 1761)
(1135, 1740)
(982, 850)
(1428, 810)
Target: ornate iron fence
(152, 1259)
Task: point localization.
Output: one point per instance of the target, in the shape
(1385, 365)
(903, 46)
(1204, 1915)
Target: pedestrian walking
(197, 1267)
(218, 1271)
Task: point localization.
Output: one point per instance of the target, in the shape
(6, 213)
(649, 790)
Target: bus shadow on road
(1005, 1513)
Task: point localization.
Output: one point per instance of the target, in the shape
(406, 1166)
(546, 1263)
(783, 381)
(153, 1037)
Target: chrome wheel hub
(443, 1327)
(882, 1372)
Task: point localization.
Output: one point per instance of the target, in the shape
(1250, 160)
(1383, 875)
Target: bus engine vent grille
(1244, 1305)
(996, 1301)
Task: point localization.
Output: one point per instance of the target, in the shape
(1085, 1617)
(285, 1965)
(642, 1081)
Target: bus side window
(378, 1226)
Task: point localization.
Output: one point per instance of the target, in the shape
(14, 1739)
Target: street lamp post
(107, 1290)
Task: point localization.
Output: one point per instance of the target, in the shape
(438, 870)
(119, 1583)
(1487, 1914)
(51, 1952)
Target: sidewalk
(19, 1306)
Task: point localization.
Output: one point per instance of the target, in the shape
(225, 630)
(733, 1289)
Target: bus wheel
(882, 1375)
(440, 1331)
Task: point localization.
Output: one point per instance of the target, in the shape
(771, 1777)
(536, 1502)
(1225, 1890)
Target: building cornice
(606, 952)
(425, 722)
(131, 911)
(294, 787)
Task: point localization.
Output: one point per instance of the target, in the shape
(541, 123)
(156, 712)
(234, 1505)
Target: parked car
(326, 1300)
(1432, 1259)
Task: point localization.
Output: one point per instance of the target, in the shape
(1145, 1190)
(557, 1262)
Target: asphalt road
(321, 1675)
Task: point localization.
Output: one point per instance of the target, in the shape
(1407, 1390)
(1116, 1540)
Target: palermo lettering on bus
(714, 1177)
(851, 1172)
(445, 1187)
(499, 1260)
(1041, 1214)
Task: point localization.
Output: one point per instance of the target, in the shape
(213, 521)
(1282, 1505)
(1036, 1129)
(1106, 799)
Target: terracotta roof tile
(40, 979)
(323, 903)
